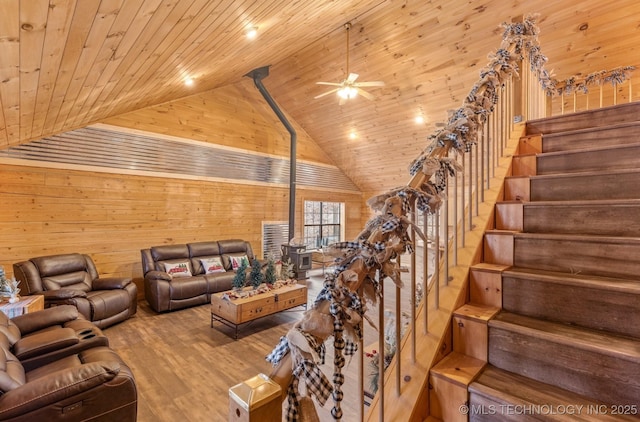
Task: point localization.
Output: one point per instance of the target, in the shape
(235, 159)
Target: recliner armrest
(44, 342)
(110, 283)
(62, 294)
(56, 386)
(158, 275)
(56, 315)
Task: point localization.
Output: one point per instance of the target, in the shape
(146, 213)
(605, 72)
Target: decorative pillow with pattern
(236, 261)
(177, 269)
(212, 265)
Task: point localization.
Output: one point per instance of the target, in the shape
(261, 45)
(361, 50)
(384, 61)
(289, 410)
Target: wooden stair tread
(605, 116)
(489, 267)
(458, 368)
(507, 388)
(587, 150)
(582, 280)
(586, 159)
(476, 312)
(597, 341)
(584, 185)
(580, 202)
(591, 130)
(617, 134)
(613, 172)
(578, 237)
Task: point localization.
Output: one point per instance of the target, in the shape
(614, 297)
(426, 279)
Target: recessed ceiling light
(353, 134)
(419, 119)
(188, 82)
(252, 32)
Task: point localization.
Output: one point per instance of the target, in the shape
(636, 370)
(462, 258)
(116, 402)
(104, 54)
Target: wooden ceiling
(66, 64)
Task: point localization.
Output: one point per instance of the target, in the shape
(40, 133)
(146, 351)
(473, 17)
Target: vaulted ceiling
(66, 64)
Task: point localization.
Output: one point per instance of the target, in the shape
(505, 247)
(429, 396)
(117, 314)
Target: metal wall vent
(109, 148)
(274, 235)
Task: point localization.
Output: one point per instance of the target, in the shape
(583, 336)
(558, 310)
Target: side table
(25, 305)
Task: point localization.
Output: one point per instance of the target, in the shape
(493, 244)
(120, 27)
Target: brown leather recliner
(73, 279)
(94, 384)
(39, 338)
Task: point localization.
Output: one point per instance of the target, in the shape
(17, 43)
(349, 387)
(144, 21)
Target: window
(322, 223)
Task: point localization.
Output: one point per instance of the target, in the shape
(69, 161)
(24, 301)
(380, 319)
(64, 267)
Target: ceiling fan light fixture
(349, 88)
(347, 92)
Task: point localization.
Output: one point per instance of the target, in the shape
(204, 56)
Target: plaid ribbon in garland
(316, 383)
(281, 349)
(338, 358)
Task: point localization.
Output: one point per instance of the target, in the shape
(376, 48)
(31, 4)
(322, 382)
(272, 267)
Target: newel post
(255, 400)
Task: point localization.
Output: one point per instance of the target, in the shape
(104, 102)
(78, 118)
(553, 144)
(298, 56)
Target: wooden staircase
(562, 266)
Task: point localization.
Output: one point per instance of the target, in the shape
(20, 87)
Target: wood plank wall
(55, 209)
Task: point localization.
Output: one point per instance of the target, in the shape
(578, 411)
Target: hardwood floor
(184, 368)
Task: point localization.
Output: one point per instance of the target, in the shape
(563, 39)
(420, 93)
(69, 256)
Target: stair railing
(447, 189)
(459, 166)
(465, 179)
(575, 94)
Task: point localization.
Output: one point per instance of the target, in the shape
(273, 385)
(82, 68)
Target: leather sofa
(176, 277)
(62, 370)
(72, 279)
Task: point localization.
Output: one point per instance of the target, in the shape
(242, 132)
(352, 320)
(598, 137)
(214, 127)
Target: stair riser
(484, 409)
(586, 187)
(585, 372)
(608, 259)
(610, 310)
(623, 113)
(589, 160)
(590, 219)
(593, 138)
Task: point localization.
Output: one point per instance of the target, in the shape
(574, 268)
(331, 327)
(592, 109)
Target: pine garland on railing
(362, 264)
(573, 84)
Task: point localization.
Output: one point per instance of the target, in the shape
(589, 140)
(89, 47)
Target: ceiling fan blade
(329, 83)
(352, 77)
(371, 83)
(326, 93)
(365, 94)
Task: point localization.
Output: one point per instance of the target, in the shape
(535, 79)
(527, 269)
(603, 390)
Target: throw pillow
(212, 265)
(177, 269)
(236, 261)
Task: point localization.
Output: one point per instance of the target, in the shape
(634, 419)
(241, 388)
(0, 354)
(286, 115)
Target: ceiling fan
(349, 88)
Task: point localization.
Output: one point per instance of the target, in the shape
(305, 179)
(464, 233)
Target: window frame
(322, 240)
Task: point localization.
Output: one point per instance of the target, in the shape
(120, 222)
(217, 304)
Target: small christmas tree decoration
(270, 276)
(288, 270)
(239, 279)
(256, 275)
(4, 283)
(9, 288)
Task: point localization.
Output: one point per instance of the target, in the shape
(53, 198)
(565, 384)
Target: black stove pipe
(257, 75)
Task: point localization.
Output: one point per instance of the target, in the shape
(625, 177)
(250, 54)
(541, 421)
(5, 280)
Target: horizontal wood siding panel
(111, 217)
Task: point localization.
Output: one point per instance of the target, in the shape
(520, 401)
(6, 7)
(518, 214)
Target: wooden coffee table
(235, 312)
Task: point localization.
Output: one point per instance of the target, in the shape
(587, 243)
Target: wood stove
(300, 258)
